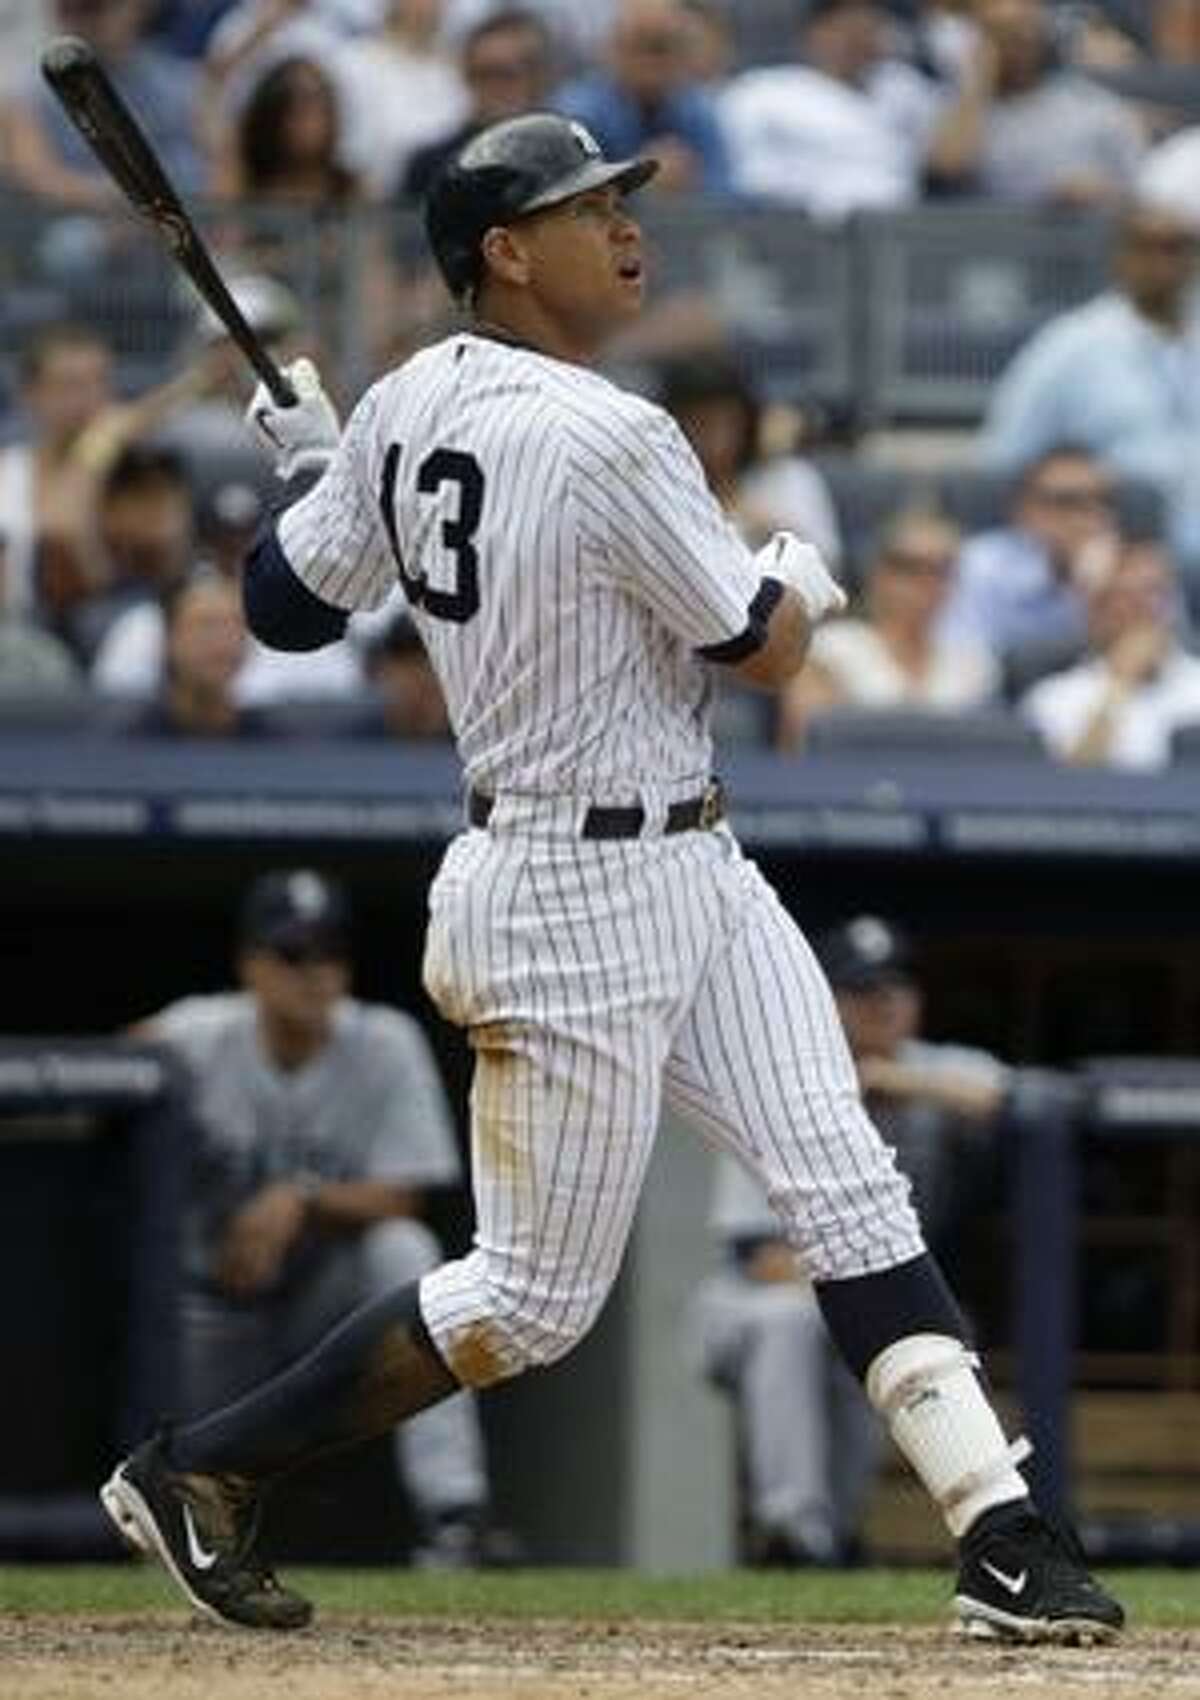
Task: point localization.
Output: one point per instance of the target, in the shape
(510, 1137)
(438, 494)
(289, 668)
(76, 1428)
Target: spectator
(645, 100)
(1119, 376)
(844, 131)
(721, 415)
(508, 66)
(402, 91)
(1177, 30)
(1121, 704)
(715, 406)
(577, 32)
(894, 654)
(147, 536)
(712, 49)
(809, 1443)
(322, 1121)
(44, 152)
(204, 638)
(1019, 586)
(287, 145)
(410, 704)
(1025, 127)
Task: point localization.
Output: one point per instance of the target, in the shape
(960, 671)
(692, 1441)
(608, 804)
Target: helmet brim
(627, 174)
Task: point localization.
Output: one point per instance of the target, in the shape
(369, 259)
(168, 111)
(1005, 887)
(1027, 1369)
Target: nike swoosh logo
(201, 1558)
(1014, 1584)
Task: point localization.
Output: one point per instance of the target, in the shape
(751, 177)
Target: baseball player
(596, 927)
(321, 1120)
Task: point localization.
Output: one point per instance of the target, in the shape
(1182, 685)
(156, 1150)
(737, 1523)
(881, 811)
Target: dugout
(1056, 920)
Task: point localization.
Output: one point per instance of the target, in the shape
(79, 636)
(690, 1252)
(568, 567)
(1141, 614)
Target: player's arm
(321, 557)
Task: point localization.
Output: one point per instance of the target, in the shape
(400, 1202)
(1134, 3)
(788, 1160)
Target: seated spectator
(894, 653)
(45, 154)
(844, 130)
(287, 145)
(508, 66)
(714, 403)
(1025, 127)
(1019, 586)
(809, 1443)
(409, 700)
(1120, 377)
(146, 528)
(401, 90)
(1121, 704)
(204, 641)
(644, 100)
(577, 32)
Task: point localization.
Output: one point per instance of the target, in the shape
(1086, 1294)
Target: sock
(375, 1368)
(902, 1333)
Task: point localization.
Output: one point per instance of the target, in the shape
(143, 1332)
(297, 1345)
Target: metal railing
(899, 317)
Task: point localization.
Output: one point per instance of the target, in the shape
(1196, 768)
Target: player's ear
(505, 254)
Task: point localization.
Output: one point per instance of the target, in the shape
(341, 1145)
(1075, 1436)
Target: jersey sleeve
(657, 532)
(412, 1140)
(333, 537)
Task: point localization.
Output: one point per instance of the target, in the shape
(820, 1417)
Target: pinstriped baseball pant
(599, 981)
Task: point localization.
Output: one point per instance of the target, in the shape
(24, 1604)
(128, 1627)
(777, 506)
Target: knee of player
(521, 1329)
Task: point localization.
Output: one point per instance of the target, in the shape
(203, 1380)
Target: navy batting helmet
(517, 166)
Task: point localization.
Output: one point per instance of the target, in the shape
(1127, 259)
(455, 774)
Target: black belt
(616, 820)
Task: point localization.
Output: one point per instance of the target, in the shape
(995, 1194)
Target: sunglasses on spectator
(1072, 496)
(912, 562)
(310, 953)
(1180, 244)
(504, 70)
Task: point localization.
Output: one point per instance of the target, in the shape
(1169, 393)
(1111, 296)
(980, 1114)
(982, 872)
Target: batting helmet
(517, 166)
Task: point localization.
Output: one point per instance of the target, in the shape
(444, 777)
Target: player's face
(584, 264)
(296, 989)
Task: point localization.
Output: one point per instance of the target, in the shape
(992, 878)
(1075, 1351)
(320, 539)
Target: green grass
(1162, 1598)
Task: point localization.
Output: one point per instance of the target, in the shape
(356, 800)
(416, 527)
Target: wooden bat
(114, 135)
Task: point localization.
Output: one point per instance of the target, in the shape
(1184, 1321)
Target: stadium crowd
(1047, 565)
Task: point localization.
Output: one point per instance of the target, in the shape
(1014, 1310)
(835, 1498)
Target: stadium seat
(981, 731)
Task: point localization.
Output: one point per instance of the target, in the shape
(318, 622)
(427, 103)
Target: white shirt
(799, 136)
(1062, 706)
(395, 101)
(564, 555)
(960, 674)
(129, 663)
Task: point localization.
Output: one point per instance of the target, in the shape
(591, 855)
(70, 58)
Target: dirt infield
(145, 1658)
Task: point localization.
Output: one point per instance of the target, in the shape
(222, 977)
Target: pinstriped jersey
(562, 556)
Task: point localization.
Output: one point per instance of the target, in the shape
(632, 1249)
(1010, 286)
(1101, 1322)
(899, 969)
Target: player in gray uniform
(321, 1119)
(596, 928)
(808, 1441)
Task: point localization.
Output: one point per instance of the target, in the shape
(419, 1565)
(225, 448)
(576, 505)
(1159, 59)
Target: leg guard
(926, 1389)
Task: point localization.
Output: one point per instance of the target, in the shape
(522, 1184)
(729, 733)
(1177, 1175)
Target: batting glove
(302, 437)
(800, 567)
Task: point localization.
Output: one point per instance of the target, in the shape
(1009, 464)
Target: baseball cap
(863, 953)
(296, 910)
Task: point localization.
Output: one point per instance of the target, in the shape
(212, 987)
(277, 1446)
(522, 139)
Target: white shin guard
(926, 1388)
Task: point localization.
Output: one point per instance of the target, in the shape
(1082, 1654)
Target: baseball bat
(84, 90)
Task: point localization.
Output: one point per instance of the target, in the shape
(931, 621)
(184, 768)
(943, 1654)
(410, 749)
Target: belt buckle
(712, 804)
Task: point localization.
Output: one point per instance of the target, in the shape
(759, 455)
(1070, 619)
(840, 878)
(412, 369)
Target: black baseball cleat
(1019, 1579)
(203, 1530)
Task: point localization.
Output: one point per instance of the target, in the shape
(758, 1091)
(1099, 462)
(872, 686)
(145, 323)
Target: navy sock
(373, 1369)
(868, 1313)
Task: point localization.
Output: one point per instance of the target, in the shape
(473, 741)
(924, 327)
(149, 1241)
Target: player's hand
(302, 437)
(800, 567)
(259, 1237)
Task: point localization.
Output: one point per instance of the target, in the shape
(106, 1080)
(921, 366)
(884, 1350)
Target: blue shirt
(1106, 379)
(622, 127)
(1007, 594)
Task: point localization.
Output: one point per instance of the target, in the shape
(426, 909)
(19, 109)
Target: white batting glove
(800, 567)
(302, 437)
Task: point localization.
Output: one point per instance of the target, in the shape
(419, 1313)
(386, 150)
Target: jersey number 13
(442, 466)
